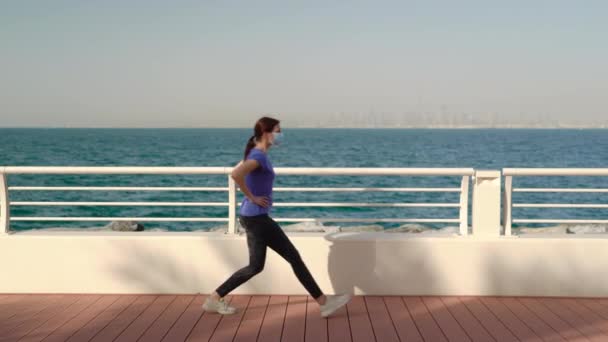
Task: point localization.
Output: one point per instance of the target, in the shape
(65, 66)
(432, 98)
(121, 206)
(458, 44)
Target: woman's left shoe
(219, 306)
(333, 303)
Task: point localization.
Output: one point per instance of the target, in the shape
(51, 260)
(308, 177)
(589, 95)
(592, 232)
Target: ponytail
(249, 146)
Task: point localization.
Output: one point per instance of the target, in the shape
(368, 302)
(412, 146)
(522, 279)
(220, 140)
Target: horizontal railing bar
(559, 205)
(116, 170)
(558, 221)
(369, 189)
(120, 204)
(143, 219)
(353, 204)
(369, 220)
(555, 172)
(225, 170)
(187, 219)
(558, 190)
(225, 204)
(354, 171)
(283, 189)
(112, 188)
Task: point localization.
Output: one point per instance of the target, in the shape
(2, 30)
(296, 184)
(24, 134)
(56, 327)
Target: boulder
(125, 226)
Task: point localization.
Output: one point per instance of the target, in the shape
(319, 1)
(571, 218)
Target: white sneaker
(219, 306)
(333, 303)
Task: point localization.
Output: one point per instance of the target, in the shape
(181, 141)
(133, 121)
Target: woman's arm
(238, 174)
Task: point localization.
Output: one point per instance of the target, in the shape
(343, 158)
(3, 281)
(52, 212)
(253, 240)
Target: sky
(225, 63)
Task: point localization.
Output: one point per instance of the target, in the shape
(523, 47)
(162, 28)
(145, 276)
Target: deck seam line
(160, 314)
(178, 317)
(539, 317)
(498, 318)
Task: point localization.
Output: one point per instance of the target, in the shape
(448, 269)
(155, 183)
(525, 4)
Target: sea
(491, 149)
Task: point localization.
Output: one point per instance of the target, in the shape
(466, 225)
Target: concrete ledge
(361, 263)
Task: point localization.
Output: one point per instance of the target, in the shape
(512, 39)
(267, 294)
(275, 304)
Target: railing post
(486, 203)
(507, 205)
(231, 206)
(5, 211)
(464, 206)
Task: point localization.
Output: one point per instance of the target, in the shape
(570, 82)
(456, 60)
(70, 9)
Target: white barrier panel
(372, 263)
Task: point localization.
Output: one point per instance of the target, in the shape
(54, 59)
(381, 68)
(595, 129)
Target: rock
(125, 226)
(314, 227)
(365, 228)
(409, 228)
(540, 230)
(442, 231)
(587, 229)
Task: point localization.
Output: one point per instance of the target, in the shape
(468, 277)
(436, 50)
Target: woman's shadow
(352, 263)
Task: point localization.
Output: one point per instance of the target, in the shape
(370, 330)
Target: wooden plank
(402, 320)
(384, 330)
(272, 326)
(28, 310)
(448, 324)
(572, 318)
(602, 301)
(186, 322)
(226, 329)
(252, 320)
(316, 326)
(39, 319)
(534, 322)
(587, 314)
(71, 327)
(295, 319)
(516, 326)
(427, 326)
(13, 304)
(488, 320)
(105, 318)
(206, 325)
(60, 319)
(595, 306)
(7, 301)
(338, 326)
(564, 329)
(139, 326)
(465, 318)
(166, 320)
(12, 298)
(124, 319)
(360, 325)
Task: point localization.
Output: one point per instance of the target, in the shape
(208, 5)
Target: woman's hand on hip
(262, 201)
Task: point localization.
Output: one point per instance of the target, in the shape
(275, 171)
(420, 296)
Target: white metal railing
(5, 204)
(508, 204)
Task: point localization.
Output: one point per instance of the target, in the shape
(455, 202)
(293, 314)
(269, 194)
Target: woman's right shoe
(219, 306)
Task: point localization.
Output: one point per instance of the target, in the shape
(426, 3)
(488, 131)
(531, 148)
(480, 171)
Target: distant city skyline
(470, 63)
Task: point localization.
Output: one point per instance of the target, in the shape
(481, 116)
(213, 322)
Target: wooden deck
(296, 318)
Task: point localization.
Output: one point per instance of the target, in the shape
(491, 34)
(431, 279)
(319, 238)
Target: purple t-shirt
(259, 182)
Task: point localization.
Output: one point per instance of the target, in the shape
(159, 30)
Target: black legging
(263, 231)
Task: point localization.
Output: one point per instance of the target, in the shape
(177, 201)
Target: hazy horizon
(136, 64)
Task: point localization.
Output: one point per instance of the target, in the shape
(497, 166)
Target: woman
(255, 176)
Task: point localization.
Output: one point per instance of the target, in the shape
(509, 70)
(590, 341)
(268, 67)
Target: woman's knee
(254, 269)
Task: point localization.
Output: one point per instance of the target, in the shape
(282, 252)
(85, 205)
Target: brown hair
(262, 126)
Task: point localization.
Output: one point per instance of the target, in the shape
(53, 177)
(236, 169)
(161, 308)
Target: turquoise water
(477, 148)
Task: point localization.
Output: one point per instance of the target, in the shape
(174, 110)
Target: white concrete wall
(372, 263)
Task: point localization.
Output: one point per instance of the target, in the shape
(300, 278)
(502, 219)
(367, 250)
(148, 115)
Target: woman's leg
(279, 242)
(257, 258)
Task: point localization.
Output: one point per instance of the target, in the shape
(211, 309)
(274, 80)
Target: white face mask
(277, 138)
